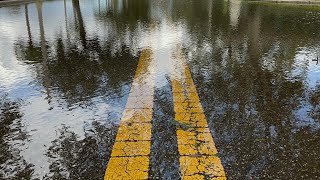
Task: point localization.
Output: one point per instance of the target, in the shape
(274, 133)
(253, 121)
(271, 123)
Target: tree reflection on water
(12, 133)
(76, 158)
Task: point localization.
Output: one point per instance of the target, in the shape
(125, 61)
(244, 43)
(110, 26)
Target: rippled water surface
(66, 69)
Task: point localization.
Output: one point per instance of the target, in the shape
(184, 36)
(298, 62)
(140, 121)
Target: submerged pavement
(196, 149)
(155, 89)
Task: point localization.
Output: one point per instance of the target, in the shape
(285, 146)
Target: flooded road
(159, 89)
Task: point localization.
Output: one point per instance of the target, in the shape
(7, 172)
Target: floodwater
(66, 70)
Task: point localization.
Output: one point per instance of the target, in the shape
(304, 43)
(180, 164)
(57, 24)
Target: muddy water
(66, 69)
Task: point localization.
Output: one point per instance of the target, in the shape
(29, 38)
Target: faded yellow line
(198, 154)
(130, 154)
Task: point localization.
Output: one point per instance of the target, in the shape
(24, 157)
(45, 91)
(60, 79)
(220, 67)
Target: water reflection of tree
(251, 97)
(12, 134)
(80, 24)
(78, 73)
(129, 11)
(125, 21)
(75, 158)
(29, 51)
(96, 71)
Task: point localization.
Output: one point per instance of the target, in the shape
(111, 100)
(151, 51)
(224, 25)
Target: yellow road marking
(130, 154)
(198, 154)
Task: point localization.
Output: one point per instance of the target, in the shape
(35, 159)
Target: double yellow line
(130, 153)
